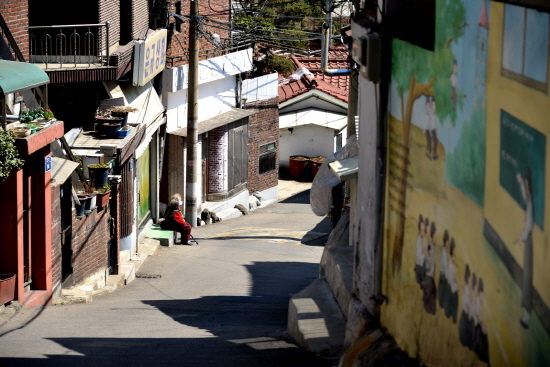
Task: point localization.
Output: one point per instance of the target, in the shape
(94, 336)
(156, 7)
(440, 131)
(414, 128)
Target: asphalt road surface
(221, 303)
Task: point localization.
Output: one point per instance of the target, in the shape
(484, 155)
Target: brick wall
(56, 234)
(134, 20)
(15, 13)
(218, 144)
(178, 44)
(109, 11)
(263, 128)
(90, 239)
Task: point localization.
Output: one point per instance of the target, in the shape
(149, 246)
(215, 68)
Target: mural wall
(465, 246)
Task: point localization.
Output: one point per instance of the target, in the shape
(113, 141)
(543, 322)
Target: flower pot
(92, 204)
(123, 116)
(123, 133)
(98, 176)
(111, 129)
(314, 165)
(82, 207)
(103, 199)
(21, 131)
(7, 288)
(299, 168)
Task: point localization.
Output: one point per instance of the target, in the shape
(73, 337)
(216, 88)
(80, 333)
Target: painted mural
(466, 197)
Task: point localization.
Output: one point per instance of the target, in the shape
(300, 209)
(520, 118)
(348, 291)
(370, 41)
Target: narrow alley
(223, 302)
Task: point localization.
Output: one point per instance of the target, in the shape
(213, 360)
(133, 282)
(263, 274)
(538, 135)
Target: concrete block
(229, 213)
(129, 272)
(164, 237)
(337, 268)
(315, 321)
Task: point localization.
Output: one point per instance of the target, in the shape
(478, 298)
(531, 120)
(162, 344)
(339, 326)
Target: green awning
(15, 76)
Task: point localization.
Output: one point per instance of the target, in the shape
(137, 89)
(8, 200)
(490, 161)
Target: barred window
(268, 156)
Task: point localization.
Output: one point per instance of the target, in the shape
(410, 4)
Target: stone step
(128, 270)
(315, 321)
(229, 213)
(124, 255)
(337, 268)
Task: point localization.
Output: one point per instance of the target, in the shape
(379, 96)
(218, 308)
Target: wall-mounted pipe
(326, 36)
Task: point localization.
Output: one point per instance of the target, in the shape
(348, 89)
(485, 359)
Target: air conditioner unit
(366, 51)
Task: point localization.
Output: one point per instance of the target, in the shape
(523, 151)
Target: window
(525, 46)
(268, 157)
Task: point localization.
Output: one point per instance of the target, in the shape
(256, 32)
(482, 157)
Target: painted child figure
(429, 297)
(419, 262)
(442, 282)
(451, 296)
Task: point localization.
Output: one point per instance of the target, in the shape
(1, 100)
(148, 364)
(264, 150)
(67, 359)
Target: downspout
(385, 78)
(325, 44)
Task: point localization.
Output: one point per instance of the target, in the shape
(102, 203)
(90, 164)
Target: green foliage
(282, 65)
(291, 17)
(9, 156)
(465, 166)
(423, 64)
(48, 114)
(32, 114)
(100, 165)
(104, 189)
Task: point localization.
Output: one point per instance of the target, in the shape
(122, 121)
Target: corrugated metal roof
(62, 169)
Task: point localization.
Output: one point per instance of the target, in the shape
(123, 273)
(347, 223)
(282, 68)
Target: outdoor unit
(366, 51)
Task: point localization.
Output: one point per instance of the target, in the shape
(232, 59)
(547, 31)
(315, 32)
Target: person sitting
(174, 221)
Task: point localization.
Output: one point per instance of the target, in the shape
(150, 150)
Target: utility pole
(192, 170)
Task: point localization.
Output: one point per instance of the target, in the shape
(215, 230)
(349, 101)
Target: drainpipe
(326, 36)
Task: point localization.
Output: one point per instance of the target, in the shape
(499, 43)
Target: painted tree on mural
(419, 72)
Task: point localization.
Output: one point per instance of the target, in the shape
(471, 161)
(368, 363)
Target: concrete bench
(164, 236)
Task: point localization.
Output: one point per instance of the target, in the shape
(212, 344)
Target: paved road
(222, 303)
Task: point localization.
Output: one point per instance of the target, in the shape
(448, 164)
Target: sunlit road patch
(269, 235)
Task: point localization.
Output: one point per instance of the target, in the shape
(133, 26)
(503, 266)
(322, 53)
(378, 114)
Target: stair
(337, 268)
(317, 315)
(315, 321)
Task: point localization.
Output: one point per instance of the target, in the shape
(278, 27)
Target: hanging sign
(150, 57)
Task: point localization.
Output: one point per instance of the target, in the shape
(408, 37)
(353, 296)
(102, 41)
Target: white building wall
(261, 88)
(308, 140)
(214, 98)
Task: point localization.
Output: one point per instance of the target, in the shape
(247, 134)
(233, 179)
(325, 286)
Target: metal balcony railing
(70, 46)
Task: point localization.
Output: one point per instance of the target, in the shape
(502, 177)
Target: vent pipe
(326, 38)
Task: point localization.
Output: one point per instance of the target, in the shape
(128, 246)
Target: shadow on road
(247, 330)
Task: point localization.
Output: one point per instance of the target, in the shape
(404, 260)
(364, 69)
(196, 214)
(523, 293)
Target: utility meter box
(366, 51)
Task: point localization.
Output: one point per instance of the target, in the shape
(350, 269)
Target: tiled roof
(336, 87)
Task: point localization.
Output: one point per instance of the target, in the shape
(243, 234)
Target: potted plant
(122, 111)
(99, 174)
(47, 117)
(32, 114)
(111, 129)
(9, 156)
(102, 196)
(7, 288)
(105, 117)
(124, 131)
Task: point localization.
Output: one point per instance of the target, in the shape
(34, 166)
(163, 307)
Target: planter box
(102, 199)
(7, 288)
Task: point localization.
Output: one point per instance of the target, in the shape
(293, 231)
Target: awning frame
(14, 69)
